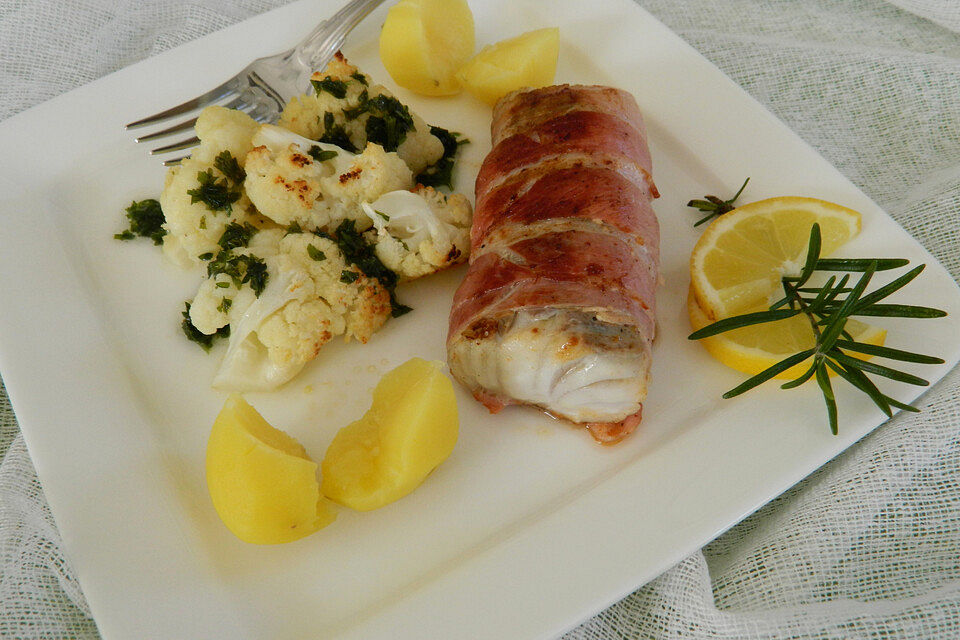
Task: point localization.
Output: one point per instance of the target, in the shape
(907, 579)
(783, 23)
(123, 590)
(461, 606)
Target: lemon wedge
(758, 347)
(737, 264)
(736, 268)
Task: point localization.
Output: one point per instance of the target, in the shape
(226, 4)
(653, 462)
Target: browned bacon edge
(576, 270)
(587, 133)
(523, 109)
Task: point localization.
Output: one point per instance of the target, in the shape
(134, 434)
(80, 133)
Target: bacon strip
(523, 110)
(562, 222)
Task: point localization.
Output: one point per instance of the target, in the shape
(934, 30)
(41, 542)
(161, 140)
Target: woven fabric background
(869, 545)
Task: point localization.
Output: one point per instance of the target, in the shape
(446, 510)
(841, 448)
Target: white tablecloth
(868, 546)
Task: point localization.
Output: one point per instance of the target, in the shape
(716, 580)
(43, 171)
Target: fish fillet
(557, 307)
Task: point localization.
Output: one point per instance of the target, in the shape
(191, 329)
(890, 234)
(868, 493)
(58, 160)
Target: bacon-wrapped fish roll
(557, 307)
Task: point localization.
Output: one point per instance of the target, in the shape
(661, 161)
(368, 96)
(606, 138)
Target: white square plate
(529, 527)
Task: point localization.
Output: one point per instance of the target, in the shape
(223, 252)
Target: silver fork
(263, 88)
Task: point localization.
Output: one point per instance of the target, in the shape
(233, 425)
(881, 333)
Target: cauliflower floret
(193, 228)
(193, 224)
(420, 232)
(311, 295)
(304, 114)
(371, 174)
(295, 333)
(222, 129)
(220, 300)
(290, 179)
(362, 302)
(285, 185)
(218, 303)
(346, 110)
(265, 243)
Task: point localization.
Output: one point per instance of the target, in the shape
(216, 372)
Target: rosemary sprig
(714, 206)
(828, 308)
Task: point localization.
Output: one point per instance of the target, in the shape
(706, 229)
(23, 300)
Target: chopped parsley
(216, 194)
(315, 253)
(293, 227)
(205, 256)
(396, 308)
(225, 304)
(334, 133)
(320, 155)
(388, 123)
(195, 335)
(359, 252)
(146, 221)
(382, 215)
(236, 235)
(229, 167)
(348, 276)
(242, 269)
(389, 119)
(362, 106)
(359, 77)
(336, 88)
(440, 174)
(223, 285)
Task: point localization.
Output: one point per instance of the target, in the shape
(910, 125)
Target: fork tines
(263, 87)
(214, 96)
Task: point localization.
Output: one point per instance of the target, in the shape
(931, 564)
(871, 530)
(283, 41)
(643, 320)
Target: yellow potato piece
(424, 42)
(409, 430)
(529, 60)
(262, 483)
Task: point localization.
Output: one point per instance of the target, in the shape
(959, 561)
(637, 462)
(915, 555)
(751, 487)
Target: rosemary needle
(714, 206)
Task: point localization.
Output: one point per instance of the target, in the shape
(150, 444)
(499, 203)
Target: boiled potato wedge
(529, 60)
(409, 430)
(262, 483)
(424, 42)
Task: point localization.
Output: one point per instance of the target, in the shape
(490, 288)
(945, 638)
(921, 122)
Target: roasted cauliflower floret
(370, 175)
(360, 303)
(296, 332)
(346, 110)
(293, 180)
(311, 294)
(204, 193)
(420, 232)
(285, 182)
(221, 300)
(218, 303)
(221, 129)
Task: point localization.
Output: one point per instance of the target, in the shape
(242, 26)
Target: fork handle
(319, 46)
